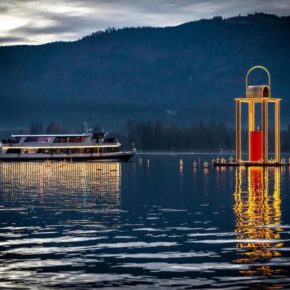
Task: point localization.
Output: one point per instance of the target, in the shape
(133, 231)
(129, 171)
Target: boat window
(30, 139)
(13, 151)
(113, 149)
(61, 151)
(11, 141)
(67, 139)
(43, 139)
(43, 151)
(29, 151)
(36, 139)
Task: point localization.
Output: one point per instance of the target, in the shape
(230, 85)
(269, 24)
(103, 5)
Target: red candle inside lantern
(256, 145)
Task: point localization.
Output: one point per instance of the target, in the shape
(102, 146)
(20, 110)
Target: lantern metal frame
(264, 102)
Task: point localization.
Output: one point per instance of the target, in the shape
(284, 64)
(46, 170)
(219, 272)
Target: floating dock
(248, 164)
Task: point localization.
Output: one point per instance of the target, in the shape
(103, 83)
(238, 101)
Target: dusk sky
(36, 21)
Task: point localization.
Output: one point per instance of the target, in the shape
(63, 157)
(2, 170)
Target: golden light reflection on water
(257, 209)
(85, 186)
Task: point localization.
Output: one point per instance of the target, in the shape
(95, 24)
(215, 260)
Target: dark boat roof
(53, 135)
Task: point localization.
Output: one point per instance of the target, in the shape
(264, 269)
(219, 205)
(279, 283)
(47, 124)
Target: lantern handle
(258, 67)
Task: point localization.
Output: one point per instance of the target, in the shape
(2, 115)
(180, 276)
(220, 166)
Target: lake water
(153, 223)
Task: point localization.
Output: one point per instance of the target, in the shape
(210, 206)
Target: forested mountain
(182, 75)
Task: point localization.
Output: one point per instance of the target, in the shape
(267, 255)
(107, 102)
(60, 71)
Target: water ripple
(111, 225)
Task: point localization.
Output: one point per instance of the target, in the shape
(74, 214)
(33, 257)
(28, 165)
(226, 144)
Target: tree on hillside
(97, 128)
(36, 128)
(54, 128)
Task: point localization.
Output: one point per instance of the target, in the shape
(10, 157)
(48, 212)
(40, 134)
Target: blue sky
(39, 21)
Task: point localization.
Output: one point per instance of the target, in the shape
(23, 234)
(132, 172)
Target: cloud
(12, 39)
(40, 21)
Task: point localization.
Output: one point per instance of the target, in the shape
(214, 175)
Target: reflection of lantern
(258, 136)
(257, 210)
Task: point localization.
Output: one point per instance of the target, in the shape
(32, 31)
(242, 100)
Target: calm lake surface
(153, 223)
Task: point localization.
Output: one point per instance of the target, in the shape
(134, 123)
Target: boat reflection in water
(92, 187)
(258, 217)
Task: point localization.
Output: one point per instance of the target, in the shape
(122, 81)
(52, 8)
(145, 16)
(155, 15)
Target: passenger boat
(72, 147)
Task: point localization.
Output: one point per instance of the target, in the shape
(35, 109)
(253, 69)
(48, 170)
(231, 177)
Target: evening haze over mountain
(182, 74)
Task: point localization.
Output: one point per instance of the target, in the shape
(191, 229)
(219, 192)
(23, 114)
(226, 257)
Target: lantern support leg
(265, 130)
(238, 132)
(277, 131)
(251, 120)
(251, 116)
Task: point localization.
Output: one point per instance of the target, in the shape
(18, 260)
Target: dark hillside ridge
(181, 74)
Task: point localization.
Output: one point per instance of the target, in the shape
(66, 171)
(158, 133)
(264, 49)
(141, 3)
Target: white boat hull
(113, 156)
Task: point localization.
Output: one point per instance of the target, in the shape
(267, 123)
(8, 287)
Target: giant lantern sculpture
(258, 98)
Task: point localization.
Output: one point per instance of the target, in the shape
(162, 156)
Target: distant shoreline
(194, 153)
(183, 153)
